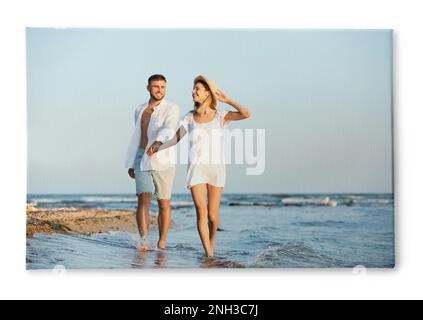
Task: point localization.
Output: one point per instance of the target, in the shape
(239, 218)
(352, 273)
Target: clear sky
(323, 96)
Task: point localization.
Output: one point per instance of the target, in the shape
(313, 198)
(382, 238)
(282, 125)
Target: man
(155, 122)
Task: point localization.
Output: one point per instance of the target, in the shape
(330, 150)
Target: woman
(206, 168)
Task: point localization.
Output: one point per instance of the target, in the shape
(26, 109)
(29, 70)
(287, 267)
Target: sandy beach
(81, 221)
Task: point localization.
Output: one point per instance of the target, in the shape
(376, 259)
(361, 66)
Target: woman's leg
(214, 195)
(199, 195)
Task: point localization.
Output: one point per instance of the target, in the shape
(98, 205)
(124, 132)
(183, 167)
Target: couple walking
(150, 156)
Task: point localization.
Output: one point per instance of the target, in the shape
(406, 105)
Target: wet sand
(82, 221)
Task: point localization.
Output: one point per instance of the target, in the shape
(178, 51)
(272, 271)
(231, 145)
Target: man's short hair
(156, 77)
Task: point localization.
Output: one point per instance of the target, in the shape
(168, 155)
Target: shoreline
(82, 221)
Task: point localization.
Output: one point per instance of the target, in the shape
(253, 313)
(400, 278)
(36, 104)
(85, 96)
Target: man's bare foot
(143, 249)
(145, 244)
(161, 245)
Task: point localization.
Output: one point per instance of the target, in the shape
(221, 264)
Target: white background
(405, 281)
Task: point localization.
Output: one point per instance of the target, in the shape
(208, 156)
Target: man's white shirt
(163, 125)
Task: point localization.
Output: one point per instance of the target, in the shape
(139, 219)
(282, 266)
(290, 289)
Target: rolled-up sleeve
(168, 130)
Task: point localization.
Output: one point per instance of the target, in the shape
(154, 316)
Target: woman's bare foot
(161, 245)
(210, 254)
(211, 248)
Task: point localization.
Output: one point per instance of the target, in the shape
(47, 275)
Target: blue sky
(323, 96)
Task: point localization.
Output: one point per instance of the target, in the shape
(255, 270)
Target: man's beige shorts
(158, 182)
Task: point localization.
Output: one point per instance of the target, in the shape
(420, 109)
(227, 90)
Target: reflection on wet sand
(140, 259)
(161, 259)
(216, 262)
(144, 260)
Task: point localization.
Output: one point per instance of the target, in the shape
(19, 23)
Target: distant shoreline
(226, 193)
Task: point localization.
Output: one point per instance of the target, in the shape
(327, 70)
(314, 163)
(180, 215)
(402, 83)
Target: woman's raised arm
(241, 113)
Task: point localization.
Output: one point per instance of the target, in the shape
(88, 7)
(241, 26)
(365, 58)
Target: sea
(256, 231)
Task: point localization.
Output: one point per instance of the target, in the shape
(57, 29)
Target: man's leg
(163, 181)
(143, 214)
(164, 221)
(145, 189)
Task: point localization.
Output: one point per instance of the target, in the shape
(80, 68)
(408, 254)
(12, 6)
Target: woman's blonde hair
(212, 103)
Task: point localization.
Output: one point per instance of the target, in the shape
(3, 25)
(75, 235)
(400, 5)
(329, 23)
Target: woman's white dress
(206, 162)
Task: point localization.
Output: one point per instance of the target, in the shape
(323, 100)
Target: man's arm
(131, 171)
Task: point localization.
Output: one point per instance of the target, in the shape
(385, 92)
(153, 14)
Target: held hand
(221, 96)
(131, 173)
(154, 148)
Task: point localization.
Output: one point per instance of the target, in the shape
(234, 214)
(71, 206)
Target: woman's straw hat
(212, 85)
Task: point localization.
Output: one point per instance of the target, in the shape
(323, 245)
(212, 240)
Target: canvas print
(209, 148)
